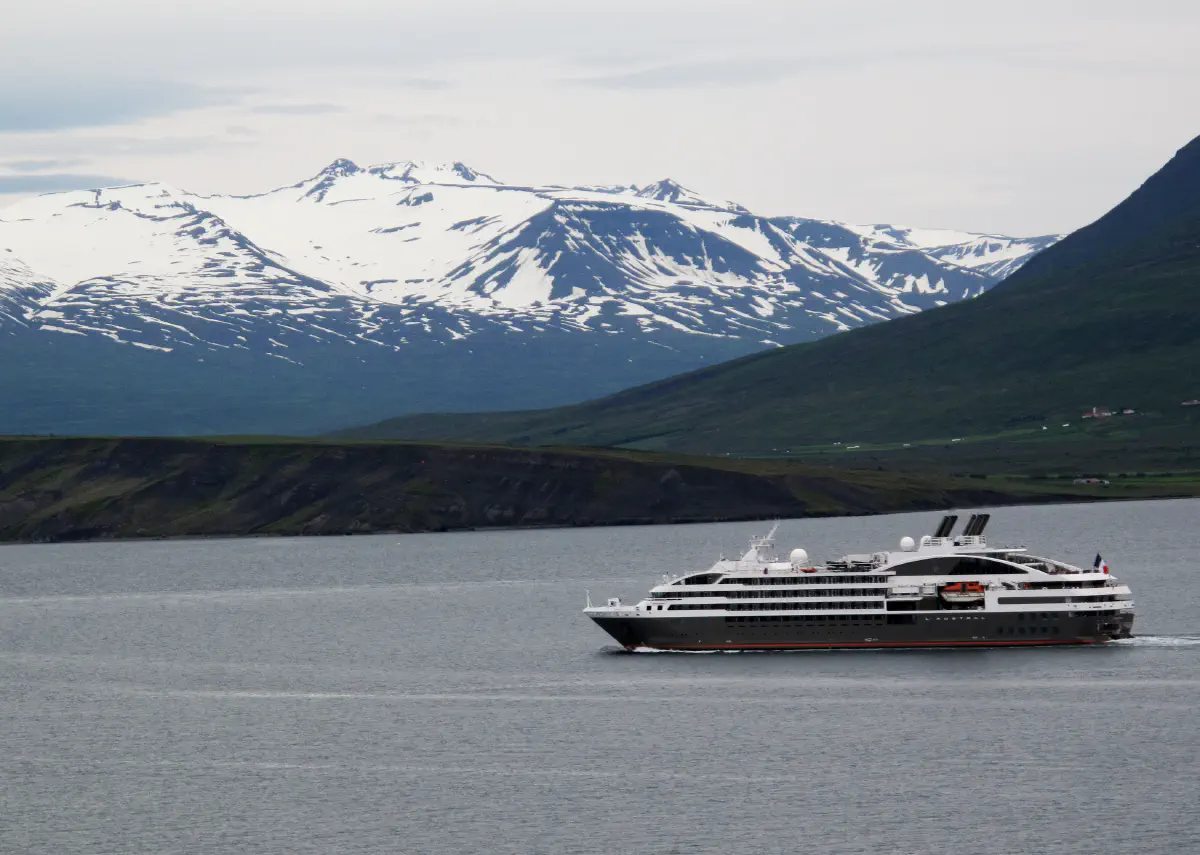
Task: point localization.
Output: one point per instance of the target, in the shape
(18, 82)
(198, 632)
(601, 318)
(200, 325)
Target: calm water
(443, 694)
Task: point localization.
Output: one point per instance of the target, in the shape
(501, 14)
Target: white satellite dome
(908, 544)
(799, 558)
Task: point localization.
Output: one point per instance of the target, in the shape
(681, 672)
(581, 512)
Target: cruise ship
(943, 591)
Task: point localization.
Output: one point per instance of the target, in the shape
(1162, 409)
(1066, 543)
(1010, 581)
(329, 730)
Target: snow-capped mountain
(627, 284)
(22, 292)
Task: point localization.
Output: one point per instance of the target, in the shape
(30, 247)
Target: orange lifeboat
(963, 592)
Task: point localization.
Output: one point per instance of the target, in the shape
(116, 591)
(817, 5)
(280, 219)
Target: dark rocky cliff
(77, 489)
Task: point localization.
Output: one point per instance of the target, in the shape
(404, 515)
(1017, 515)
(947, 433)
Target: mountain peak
(422, 172)
(670, 190)
(1165, 206)
(327, 177)
(340, 167)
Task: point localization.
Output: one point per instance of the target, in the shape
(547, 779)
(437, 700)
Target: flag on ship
(1100, 565)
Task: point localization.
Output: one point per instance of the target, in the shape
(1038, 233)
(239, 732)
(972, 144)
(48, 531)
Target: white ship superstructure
(944, 590)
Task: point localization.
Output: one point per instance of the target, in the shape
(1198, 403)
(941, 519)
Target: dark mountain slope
(1165, 207)
(83, 489)
(1108, 317)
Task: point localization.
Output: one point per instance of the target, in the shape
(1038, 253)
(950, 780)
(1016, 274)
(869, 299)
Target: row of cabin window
(1033, 630)
(752, 595)
(818, 592)
(1047, 586)
(847, 579)
(775, 607)
(853, 619)
(1082, 598)
(1042, 617)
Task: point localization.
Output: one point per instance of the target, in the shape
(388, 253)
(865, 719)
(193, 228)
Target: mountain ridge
(411, 267)
(1107, 317)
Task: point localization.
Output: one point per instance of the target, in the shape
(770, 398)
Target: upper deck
(933, 556)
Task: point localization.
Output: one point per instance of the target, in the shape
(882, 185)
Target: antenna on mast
(760, 546)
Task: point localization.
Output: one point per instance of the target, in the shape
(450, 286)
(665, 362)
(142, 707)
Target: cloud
(723, 72)
(40, 165)
(71, 147)
(426, 84)
(297, 109)
(50, 104)
(154, 146)
(56, 181)
(750, 71)
(734, 71)
(424, 119)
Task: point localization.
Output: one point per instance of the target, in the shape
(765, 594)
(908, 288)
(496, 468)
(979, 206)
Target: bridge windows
(701, 579)
(956, 565)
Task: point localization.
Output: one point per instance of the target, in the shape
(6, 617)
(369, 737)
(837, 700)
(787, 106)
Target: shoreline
(175, 538)
(107, 489)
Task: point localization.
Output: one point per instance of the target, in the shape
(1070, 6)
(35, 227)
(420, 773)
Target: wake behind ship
(945, 591)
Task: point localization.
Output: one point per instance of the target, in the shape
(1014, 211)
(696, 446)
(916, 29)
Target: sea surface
(444, 694)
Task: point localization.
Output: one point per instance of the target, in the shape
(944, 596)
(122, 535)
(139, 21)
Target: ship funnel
(977, 524)
(946, 526)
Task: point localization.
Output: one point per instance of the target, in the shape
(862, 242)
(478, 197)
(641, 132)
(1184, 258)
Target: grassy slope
(1116, 447)
(1109, 317)
(81, 488)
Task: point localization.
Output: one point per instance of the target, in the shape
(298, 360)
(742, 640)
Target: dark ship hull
(946, 629)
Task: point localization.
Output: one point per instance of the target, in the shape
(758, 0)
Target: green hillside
(1108, 318)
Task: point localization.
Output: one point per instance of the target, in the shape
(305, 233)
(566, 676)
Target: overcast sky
(1012, 117)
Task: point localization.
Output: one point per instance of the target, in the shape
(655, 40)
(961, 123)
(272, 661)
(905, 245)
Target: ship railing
(858, 562)
(613, 611)
(1045, 565)
(904, 591)
(969, 540)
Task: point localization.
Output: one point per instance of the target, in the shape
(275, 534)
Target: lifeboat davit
(963, 592)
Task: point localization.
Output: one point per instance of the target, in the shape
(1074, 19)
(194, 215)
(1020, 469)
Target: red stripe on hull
(838, 644)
